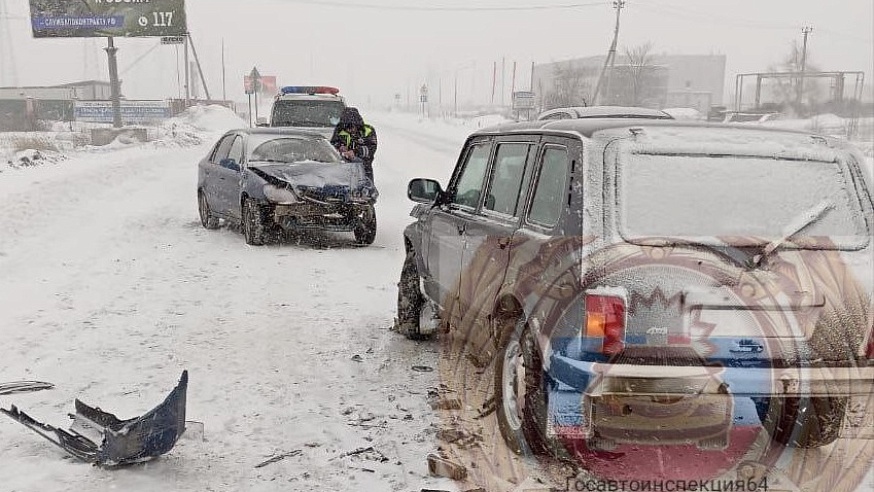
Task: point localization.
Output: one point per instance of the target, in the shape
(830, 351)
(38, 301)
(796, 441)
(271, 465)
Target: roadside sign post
(255, 77)
(115, 89)
(423, 97)
(523, 100)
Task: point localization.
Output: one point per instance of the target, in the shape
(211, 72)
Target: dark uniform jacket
(363, 142)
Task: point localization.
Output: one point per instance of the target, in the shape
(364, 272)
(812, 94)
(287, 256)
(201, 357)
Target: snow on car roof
(610, 112)
(284, 130)
(727, 140)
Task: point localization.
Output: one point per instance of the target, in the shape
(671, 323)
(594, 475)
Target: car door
(229, 178)
(212, 173)
(447, 222)
(544, 260)
(488, 238)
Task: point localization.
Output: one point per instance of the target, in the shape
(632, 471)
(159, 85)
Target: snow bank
(212, 118)
(20, 150)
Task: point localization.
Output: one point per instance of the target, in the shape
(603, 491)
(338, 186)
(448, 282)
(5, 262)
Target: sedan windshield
(739, 200)
(287, 150)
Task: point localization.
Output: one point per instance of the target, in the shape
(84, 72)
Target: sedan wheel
(253, 224)
(365, 228)
(207, 219)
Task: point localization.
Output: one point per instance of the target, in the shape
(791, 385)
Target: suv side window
(550, 188)
(469, 183)
(509, 170)
(222, 150)
(236, 152)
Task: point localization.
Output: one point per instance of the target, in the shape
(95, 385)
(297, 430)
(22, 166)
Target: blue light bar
(309, 89)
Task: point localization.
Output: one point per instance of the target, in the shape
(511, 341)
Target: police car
(313, 108)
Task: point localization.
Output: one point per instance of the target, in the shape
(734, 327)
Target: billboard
(132, 112)
(266, 85)
(102, 18)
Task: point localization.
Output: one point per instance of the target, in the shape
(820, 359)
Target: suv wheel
(365, 227)
(520, 394)
(802, 422)
(410, 298)
(253, 224)
(207, 219)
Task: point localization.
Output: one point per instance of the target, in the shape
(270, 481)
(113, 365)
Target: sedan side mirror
(229, 163)
(424, 190)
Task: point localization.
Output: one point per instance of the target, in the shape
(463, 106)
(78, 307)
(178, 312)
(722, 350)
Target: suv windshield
(307, 113)
(739, 200)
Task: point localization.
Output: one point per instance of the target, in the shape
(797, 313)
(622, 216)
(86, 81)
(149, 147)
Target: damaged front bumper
(328, 216)
(103, 439)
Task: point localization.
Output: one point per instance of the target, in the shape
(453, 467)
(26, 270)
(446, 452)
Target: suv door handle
(503, 242)
(460, 226)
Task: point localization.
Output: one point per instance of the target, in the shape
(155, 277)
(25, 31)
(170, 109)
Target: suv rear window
(740, 200)
(306, 113)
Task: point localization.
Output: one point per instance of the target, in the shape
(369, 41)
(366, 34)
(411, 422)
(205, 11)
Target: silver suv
(631, 281)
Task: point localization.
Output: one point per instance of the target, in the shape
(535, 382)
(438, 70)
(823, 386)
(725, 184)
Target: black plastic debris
(102, 438)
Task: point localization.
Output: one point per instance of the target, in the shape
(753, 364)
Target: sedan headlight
(280, 196)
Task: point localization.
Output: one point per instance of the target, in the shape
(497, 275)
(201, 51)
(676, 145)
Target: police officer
(355, 139)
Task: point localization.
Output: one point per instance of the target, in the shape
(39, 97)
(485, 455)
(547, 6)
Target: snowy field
(110, 288)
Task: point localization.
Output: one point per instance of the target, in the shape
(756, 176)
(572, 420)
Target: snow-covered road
(110, 288)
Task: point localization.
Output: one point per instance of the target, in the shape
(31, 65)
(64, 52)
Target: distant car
(613, 268)
(575, 112)
(269, 180)
(312, 108)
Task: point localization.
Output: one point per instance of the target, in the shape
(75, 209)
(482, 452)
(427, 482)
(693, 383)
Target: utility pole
(611, 54)
(455, 97)
(199, 68)
(224, 85)
(806, 30)
(187, 76)
(7, 51)
(513, 81)
(531, 84)
(503, 79)
(494, 81)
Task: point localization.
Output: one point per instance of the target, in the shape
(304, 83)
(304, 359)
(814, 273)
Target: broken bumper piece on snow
(121, 442)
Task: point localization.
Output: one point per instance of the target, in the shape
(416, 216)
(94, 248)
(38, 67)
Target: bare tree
(640, 72)
(784, 90)
(569, 86)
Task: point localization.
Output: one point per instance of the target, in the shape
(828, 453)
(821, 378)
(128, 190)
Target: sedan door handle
(503, 243)
(460, 228)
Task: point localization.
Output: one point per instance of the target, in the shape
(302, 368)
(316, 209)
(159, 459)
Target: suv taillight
(605, 318)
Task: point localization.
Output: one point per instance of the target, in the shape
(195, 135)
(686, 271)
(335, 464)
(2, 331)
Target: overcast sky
(384, 47)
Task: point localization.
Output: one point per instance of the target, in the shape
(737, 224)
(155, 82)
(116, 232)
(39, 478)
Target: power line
(441, 8)
(667, 10)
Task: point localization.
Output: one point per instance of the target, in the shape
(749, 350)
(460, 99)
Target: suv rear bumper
(737, 381)
(630, 403)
